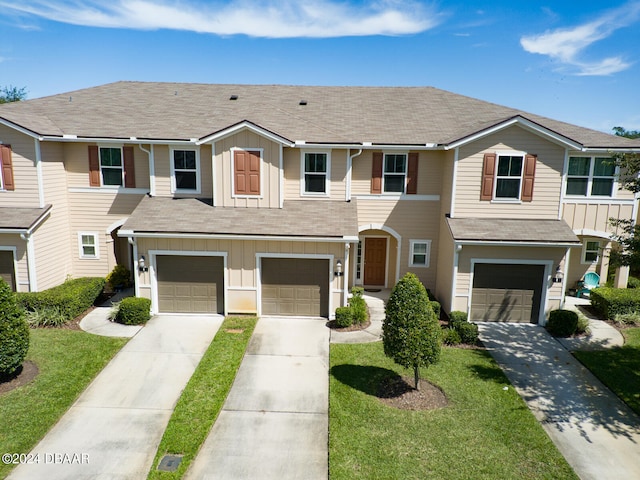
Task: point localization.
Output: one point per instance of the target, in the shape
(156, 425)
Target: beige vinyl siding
(547, 185)
(96, 212)
(162, 161)
(293, 179)
(594, 216)
(22, 273)
(413, 220)
(445, 267)
(269, 175)
(242, 294)
(25, 176)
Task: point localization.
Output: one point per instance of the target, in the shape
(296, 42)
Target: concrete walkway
(373, 333)
(274, 423)
(113, 430)
(97, 320)
(601, 335)
(595, 431)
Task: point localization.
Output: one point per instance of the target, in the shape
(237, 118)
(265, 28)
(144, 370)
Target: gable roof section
(22, 220)
(411, 116)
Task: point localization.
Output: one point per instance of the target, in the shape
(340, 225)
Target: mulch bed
(25, 374)
(398, 392)
(352, 328)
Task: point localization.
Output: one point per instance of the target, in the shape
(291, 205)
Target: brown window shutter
(129, 167)
(246, 172)
(488, 174)
(7, 167)
(376, 173)
(94, 166)
(528, 176)
(412, 173)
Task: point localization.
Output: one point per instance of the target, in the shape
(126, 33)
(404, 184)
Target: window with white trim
(509, 177)
(591, 177)
(419, 253)
(315, 173)
(185, 171)
(111, 166)
(394, 172)
(88, 245)
(590, 251)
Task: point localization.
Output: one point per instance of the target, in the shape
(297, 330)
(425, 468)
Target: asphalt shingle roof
(383, 115)
(21, 218)
(511, 230)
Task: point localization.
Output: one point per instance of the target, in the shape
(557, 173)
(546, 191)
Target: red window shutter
(94, 166)
(7, 167)
(488, 174)
(376, 173)
(246, 172)
(412, 173)
(129, 167)
(528, 176)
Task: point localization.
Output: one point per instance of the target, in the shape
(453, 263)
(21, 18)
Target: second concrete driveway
(274, 423)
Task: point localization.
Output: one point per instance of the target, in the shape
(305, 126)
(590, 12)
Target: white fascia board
(610, 150)
(20, 129)
(120, 141)
(242, 126)
(371, 146)
(15, 231)
(488, 243)
(522, 122)
(131, 233)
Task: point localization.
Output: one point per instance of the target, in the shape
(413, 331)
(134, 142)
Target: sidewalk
(602, 335)
(373, 333)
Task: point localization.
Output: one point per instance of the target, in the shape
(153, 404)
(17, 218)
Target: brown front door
(375, 260)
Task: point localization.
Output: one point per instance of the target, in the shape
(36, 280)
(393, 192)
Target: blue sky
(577, 61)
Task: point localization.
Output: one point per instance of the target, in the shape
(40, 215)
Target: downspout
(456, 153)
(347, 192)
(564, 278)
(136, 280)
(281, 178)
(39, 173)
(31, 261)
(152, 169)
(345, 277)
(457, 248)
(213, 174)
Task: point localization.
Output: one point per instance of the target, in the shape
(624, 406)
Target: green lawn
(204, 395)
(618, 368)
(68, 360)
(485, 432)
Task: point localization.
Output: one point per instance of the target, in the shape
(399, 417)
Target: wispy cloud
(568, 45)
(256, 18)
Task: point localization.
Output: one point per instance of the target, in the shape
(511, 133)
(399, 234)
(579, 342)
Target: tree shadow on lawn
(367, 379)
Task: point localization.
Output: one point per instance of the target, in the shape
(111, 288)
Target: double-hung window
(111, 166)
(590, 251)
(509, 177)
(395, 172)
(88, 244)
(315, 168)
(591, 176)
(419, 252)
(184, 165)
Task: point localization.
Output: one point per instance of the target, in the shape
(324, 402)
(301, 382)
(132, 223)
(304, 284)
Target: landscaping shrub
(613, 301)
(119, 277)
(358, 306)
(14, 332)
(46, 317)
(562, 323)
(631, 319)
(633, 282)
(134, 311)
(583, 324)
(344, 317)
(468, 332)
(71, 298)
(436, 308)
(450, 336)
(457, 316)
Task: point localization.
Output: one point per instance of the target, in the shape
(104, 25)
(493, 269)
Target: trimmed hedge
(133, 311)
(71, 298)
(468, 332)
(14, 332)
(562, 323)
(615, 301)
(344, 317)
(457, 316)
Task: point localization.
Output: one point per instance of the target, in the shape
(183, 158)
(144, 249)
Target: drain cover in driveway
(169, 463)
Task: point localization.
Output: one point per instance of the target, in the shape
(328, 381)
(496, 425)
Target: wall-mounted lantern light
(142, 267)
(559, 275)
(338, 271)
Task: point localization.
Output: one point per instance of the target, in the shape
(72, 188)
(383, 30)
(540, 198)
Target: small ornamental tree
(14, 332)
(411, 333)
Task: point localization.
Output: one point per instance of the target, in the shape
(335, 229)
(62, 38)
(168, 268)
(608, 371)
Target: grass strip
(204, 395)
(67, 360)
(618, 368)
(486, 432)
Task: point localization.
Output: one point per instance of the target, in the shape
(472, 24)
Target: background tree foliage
(12, 94)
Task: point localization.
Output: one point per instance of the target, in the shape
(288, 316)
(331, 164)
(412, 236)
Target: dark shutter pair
(7, 167)
(489, 175)
(412, 173)
(127, 160)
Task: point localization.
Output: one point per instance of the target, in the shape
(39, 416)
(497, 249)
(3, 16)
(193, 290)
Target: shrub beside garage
(14, 332)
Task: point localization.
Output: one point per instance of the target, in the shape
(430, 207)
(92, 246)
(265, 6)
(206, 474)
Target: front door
(375, 261)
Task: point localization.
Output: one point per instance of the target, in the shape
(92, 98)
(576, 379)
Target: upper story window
(185, 171)
(591, 176)
(247, 172)
(315, 173)
(509, 176)
(111, 166)
(395, 172)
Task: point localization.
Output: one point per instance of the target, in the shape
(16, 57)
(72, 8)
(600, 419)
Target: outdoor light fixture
(557, 278)
(338, 271)
(141, 265)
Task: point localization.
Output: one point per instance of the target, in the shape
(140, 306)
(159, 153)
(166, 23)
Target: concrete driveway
(274, 423)
(595, 431)
(114, 428)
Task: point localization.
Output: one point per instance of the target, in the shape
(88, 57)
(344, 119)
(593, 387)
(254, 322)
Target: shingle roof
(510, 230)
(21, 218)
(383, 115)
(298, 218)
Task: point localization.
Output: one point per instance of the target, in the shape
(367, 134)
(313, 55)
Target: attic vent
(176, 93)
(303, 102)
(233, 97)
(70, 99)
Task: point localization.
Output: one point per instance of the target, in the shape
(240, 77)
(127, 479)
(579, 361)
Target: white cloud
(256, 18)
(567, 45)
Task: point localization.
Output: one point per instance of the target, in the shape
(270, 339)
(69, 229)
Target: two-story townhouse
(277, 199)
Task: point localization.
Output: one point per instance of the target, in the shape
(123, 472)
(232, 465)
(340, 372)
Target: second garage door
(190, 284)
(295, 287)
(506, 293)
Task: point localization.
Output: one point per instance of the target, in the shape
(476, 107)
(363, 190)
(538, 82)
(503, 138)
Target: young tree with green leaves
(12, 94)
(411, 333)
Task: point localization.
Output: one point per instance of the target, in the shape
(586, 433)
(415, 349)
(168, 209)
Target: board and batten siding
(242, 282)
(547, 184)
(25, 176)
(293, 175)
(595, 217)
(269, 174)
(162, 161)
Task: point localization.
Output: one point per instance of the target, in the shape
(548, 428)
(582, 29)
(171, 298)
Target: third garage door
(295, 287)
(506, 293)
